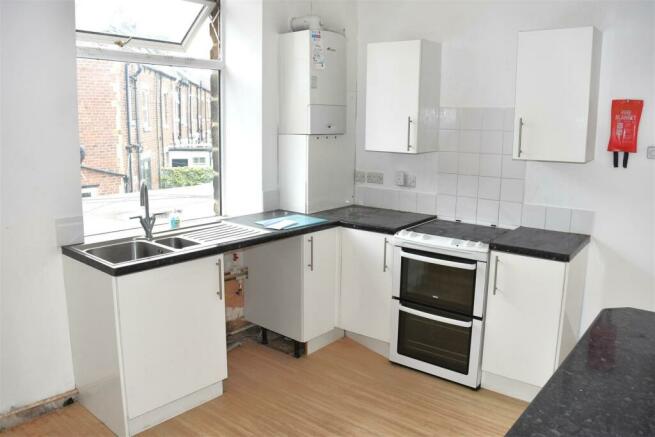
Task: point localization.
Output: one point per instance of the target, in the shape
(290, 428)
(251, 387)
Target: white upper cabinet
(557, 94)
(402, 96)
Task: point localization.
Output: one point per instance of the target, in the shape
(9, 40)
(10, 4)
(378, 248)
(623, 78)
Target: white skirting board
(165, 412)
(378, 346)
(509, 387)
(323, 340)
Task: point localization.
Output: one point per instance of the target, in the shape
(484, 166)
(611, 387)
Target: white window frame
(127, 55)
(103, 38)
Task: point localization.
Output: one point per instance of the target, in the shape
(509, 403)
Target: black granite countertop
(381, 220)
(461, 231)
(373, 219)
(540, 243)
(605, 387)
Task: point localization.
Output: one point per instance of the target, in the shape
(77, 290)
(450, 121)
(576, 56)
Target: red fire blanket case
(625, 127)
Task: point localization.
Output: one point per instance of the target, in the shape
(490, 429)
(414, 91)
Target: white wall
(39, 182)
(242, 116)
(479, 58)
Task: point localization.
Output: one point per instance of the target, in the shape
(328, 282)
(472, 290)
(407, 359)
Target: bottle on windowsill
(174, 219)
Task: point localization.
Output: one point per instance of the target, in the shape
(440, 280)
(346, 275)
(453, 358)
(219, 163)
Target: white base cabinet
(149, 345)
(366, 283)
(291, 287)
(532, 319)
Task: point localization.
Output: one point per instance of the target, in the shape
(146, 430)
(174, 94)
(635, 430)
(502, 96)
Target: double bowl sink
(136, 249)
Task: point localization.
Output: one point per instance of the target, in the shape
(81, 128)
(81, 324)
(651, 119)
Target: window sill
(158, 229)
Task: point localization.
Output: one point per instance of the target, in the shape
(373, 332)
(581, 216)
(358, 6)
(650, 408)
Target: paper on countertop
(298, 219)
(282, 224)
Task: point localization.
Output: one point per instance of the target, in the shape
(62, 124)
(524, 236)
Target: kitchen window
(149, 110)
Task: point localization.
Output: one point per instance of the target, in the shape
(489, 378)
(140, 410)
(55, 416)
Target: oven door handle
(441, 262)
(436, 318)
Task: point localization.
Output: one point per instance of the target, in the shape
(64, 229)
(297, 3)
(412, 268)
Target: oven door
(444, 282)
(445, 346)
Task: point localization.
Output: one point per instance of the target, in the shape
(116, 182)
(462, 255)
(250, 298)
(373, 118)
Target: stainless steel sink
(129, 251)
(176, 242)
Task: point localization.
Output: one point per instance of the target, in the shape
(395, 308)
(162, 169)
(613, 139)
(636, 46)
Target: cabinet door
(172, 332)
(522, 320)
(392, 95)
(365, 300)
(554, 87)
(319, 283)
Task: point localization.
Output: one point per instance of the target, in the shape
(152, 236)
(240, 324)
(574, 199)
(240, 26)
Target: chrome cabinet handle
(311, 254)
(520, 136)
(384, 257)
(220, 279)
(496, 274)
(409, 127)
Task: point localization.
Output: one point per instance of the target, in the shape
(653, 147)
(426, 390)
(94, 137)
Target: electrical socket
(401, 178)
(360, 177)
(650, 152)
(374, 177)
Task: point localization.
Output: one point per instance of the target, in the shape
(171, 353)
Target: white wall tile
(513, 168)
(469, 141)
(470, 118)
(508, 119)
(447, 184)
(508, 143)
(490, 165)
(468, 164)
(406, 200)
(447, 162)
(582, 222)
(446, 205)
(467, 186)
(492, 118)
(491, 142)
(489, 188)
(511, 190)
(534, 216)
(509, 214)
(558, 219)
(448, 140)
(487, 212)
(466, 208)
(448, 118)
(426, 203)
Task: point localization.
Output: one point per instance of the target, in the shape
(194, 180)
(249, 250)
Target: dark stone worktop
(541, 243)
(605, 387)
(461, 231)
(371, 219)
(386, 221)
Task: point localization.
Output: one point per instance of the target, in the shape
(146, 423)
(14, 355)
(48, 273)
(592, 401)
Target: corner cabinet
(291, 287)
(532, 320)
(147, 346)
(366, 283)
(557, 77)
(402, 96)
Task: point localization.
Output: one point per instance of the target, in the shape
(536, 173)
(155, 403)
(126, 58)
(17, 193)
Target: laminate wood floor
(341, 390)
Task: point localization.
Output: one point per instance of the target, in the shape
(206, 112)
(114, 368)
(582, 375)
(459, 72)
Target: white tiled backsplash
(477, 179)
